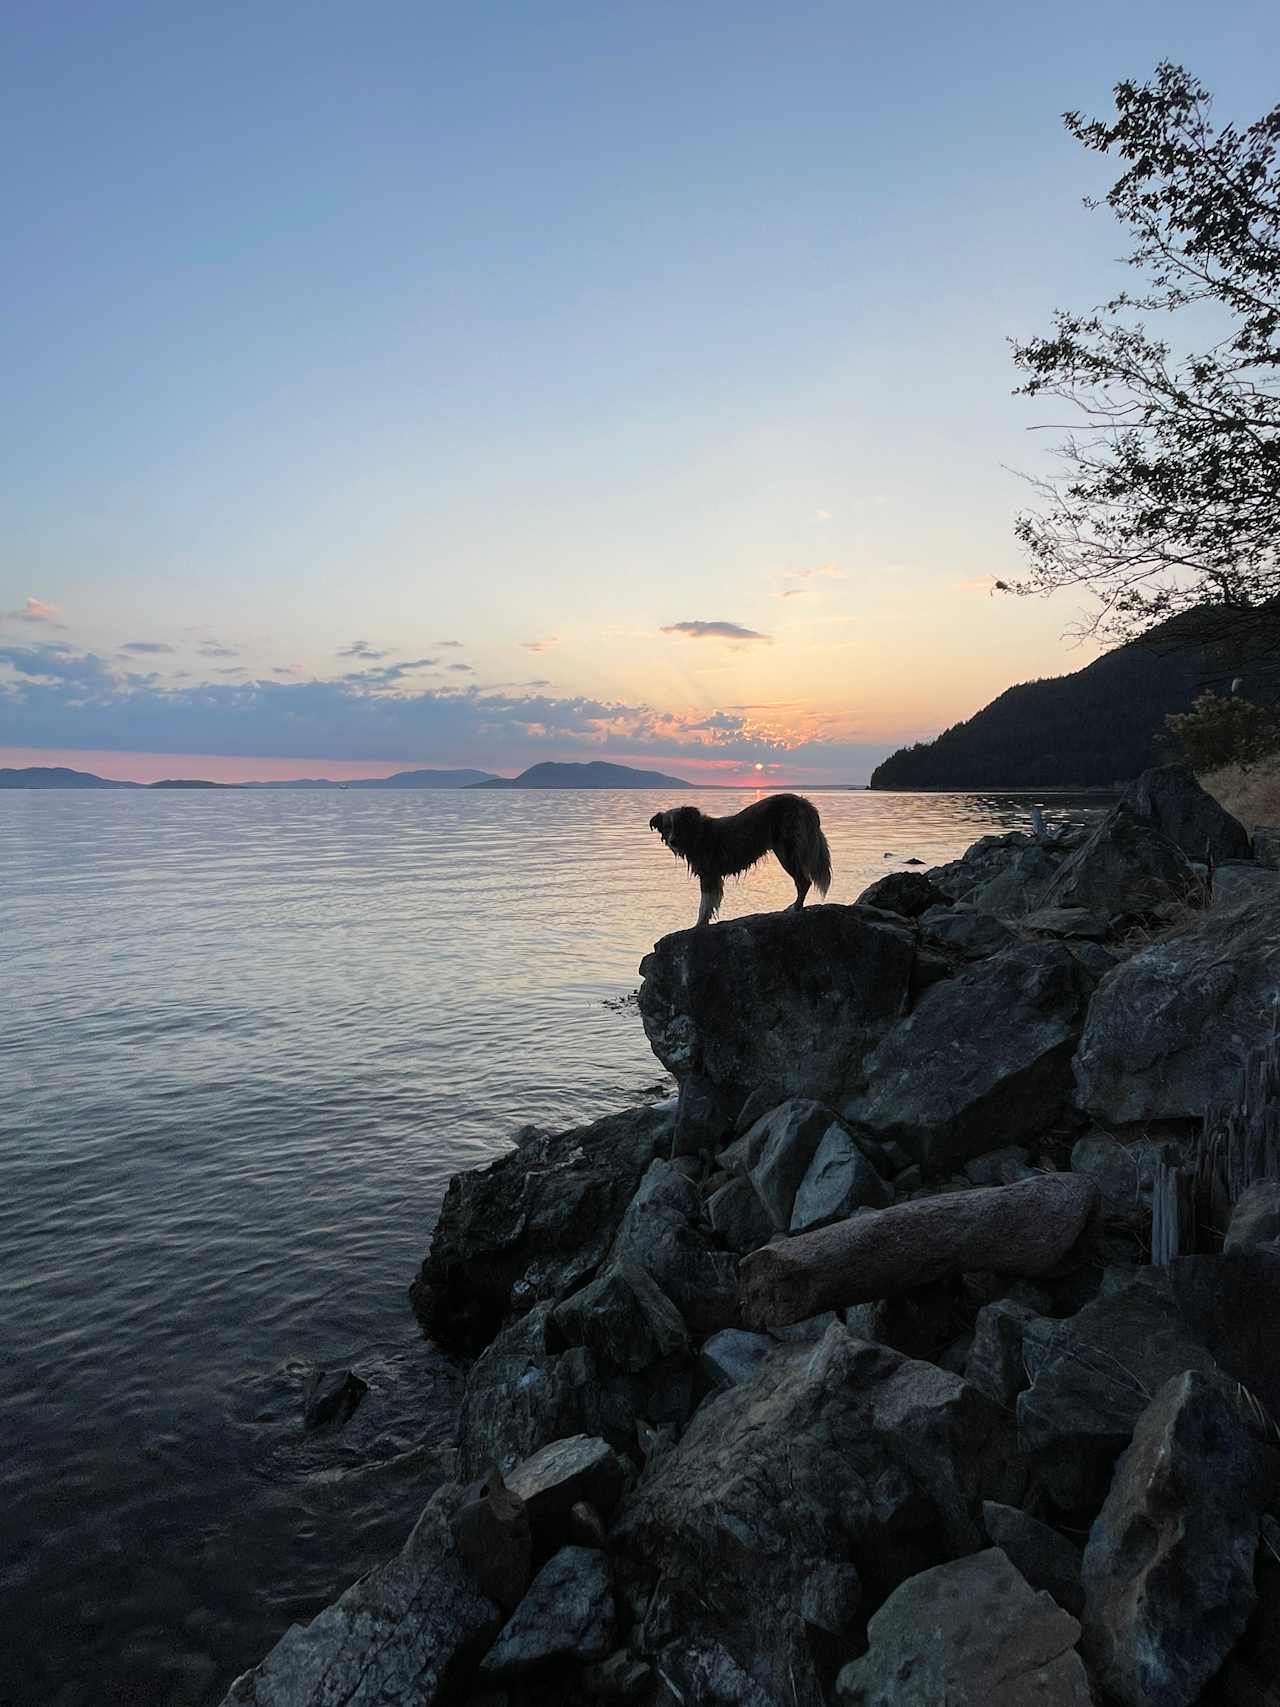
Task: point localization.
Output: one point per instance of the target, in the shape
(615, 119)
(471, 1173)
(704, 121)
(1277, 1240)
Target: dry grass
(1251, 795)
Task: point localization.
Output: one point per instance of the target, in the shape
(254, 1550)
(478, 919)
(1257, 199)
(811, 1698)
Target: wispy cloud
(213, 650)
(288, 669)
(462, 669)
(147, 647)
(360, 649)
(793, 592)
(715, 631)
(385, 674)
(36, 610)
(448, 643)
(540, 645)
(235, 670)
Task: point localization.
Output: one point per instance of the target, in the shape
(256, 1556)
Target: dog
(716, 848)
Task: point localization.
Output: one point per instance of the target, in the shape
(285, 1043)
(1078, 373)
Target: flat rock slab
(557, 1477)
(568, 1614)
(971, 1633)
(1036, 1227)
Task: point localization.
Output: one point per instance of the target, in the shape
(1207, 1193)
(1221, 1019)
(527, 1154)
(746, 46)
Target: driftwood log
(1045, 1225)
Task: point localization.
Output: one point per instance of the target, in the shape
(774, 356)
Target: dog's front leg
(709, 906)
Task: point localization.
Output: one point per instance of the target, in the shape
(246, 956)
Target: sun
(759, 767)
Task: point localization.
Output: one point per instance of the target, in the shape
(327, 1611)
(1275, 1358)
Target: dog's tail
(817, 854)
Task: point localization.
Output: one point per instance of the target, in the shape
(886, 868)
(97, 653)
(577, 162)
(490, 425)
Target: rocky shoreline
(847, 1375)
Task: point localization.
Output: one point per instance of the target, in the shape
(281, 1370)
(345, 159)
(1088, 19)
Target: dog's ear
(655, 823)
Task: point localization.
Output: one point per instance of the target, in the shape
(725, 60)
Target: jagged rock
(1000, 1167)
(1041, 1225)
(1239, 885)
(625, 1317)
(1079, 922)
(1170, 799)
(331, 1397)
(1168, 1568)
(787, 1003)
(1169, 1030)
(1046, 1559)
(554, 1479)
(907, 893)
(995, 1363)
(1123, 1172)
(784, 1142)
(839, 1454)
(971, 1633)
(1265, 845)
(965, 930)
(838, 1181)
(1255, 1218)
(568, 1614)
(492, 1533)
(739, 1217)
(983, 1061)
(532, 1225)
(405, 1635)
(621, 1677)
(1092, 958)
(1001, 874)
(1126, 866)
(704, 1116)
(659, 1231)
(733, 1356)
(1091, 1376)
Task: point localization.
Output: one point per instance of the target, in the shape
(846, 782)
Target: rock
(1123, 1172)
(908, 893)
(836, 1455)
(622, 1677)
(1168, 1568)
(739, 1217)
(1230, 1304)
(660, 1232)
(965, 930)
(494, 1540)
(996, 1364)
(406, 1635)
(1126, 866)
(971, 1633)
(1092, 1374)
(1238, 885)
(556, 1478)
(1000, 1167)
(1079, 922)
(784, 1142)
(1265, 845)
(985, 1059)
(567, 1614)
(788, 1003)
(1046, 1559)
(704, 1116)
(331, 1397)
(1255, 1218)
(1001, 874)
(1044, 1224)
(1169, 1030)
(1092, 958)
(732, 1356)
(838, 1181)
(532, 1225)
(1171, 800)
(625, 1317)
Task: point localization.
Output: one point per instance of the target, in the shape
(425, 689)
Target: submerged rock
(331, 1397)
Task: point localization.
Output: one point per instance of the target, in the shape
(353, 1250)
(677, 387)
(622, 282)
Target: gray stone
(1240, 885)
(1123, 1172)
(1266, 845)
(660, 1232)
(331, 1397)
(1169, 1030)
(625, 1317)
(739, 1217)
(1046, 1559)
(970, 1633)
(1170, 799)
(908, 893)
(1000, 1167)
(788, 1003)
(568, 1614)
(984, 1061)
(1255, 1218)
(557, 1477)
(1042, 1225)
(704, 1116)
(492, 1533)
(1168, 1569)
(621, 1677)
(406, 1635)
(784, 1142)
(732, 1356)
(995, 1363)
(966, 931)
(838, 1181)
(532, 1225)
(1126, 866)
(1092, 958)
(1079, 922)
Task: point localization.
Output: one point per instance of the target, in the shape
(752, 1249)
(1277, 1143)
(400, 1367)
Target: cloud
(388, 673)
(359, 649)
(147, 646)
(213, 651)
(714, 631)
(448, 643)
(235, 670)
(719, 720)
(36, 610)
(462, 669)
(540, 645)
(793, 592)
(288, 669)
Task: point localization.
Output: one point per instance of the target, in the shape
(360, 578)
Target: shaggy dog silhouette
(715, 848)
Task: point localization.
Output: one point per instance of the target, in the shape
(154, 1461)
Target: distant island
(596, 774)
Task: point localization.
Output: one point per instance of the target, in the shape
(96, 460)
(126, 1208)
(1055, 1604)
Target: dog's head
(678, 827)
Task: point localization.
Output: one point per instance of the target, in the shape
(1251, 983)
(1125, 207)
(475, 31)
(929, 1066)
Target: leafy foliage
(1224, 730)
(1171, 497)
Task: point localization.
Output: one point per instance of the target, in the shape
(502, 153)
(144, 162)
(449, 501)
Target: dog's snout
(655, 823)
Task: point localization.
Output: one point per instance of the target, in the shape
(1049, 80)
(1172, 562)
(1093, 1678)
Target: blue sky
(540, 331)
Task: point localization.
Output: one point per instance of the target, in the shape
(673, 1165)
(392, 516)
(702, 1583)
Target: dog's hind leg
(793, 865)
(712, 896)
(803, 887)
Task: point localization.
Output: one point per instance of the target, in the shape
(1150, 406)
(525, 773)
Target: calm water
(244, 1040)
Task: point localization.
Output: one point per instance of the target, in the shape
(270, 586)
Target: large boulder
(805, 1168)
(567, 1615)
(1003, 874)
(1043, 1225)
(784, 1003)
(1127, 866)
(965, 931)
(1171, 800)
(625, 1317)
(972, 1633)
(662, 1232)
(1046, 1559)
(409, 1634)
(1169, 1030)
(534, 1224)
(835, 1472)
(984, 1060)
(908, 893)
(1168, 1569)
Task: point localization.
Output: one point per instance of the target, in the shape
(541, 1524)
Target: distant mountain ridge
(595, 774)
(1090, 729)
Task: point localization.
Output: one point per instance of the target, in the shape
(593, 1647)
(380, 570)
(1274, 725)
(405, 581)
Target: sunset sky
(402, 384)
